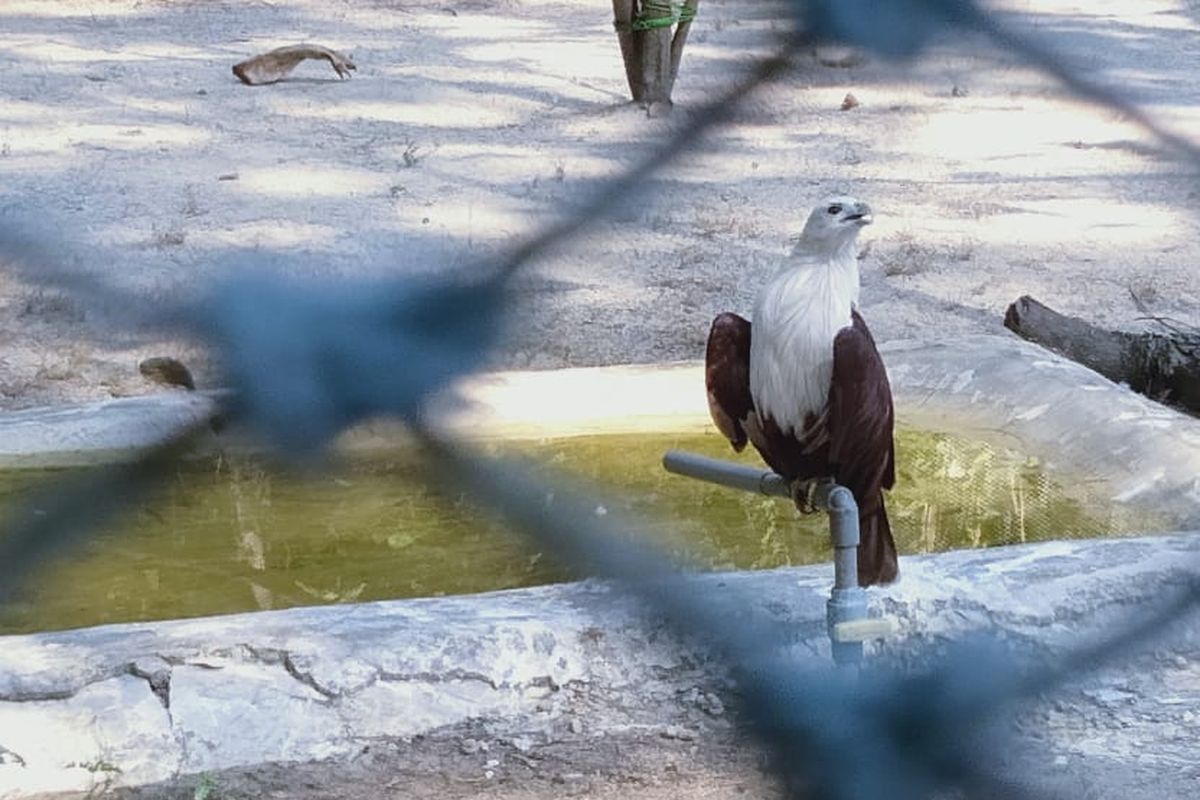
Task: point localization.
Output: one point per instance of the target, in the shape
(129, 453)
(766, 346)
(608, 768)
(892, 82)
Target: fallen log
(1164, 367)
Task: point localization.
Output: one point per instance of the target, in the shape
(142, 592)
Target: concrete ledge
(95, 433)
(135, 704)
(1080, 424)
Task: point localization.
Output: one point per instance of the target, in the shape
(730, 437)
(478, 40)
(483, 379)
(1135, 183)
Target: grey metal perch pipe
(735, 476)
(847, 600)
(837, 500)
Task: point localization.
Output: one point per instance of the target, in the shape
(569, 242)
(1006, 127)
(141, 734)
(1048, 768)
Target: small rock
(1109, 696)
(659, 109)
(492, 762)
(849, 101)
(575, 726)
(959, 91)
(522, 744)
(839, 56)
(202, 92)
(167, 371)
(489, 774)
(1060, 761)
(470, 746)
(169, 239)
(228, 176)
(710, 704)
(568, 777)
(678, 732)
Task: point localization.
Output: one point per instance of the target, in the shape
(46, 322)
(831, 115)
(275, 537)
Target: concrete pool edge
(135, 704)
(996, 388)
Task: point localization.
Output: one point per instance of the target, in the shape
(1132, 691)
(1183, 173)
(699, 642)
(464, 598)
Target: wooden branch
(1163, 367)
(275, 65)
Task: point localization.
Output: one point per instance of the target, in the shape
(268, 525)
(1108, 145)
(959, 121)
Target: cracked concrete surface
(127, 705)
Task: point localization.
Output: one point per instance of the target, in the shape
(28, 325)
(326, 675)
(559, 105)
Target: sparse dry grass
(905, 254)
(168, 238)
(48, 305)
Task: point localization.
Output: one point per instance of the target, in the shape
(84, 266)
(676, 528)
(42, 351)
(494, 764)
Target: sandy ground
(469, 124)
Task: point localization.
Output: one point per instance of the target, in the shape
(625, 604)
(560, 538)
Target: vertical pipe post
(847, 600)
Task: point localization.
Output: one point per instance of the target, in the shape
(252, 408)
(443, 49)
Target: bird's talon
(804, 494)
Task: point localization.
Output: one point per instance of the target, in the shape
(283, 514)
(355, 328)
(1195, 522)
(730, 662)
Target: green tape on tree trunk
(658, 15)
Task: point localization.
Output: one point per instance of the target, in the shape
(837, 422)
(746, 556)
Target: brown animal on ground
(805, 384)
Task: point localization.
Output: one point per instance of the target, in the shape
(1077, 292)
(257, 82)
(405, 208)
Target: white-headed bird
(808, 388)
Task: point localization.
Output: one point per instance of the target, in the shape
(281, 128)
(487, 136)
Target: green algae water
(230, 535)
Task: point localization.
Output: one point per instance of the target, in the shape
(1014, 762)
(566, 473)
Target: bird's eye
(834, 209)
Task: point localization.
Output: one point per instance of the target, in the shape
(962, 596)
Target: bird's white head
(833, 225)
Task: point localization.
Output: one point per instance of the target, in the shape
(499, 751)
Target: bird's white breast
(796, 317)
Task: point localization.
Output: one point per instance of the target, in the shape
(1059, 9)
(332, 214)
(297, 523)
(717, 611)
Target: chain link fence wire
(354, 351)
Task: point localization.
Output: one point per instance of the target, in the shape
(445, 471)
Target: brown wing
(860, 415)
(860, 445)
(727, 376)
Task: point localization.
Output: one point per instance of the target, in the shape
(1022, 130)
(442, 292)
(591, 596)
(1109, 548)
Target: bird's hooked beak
(861, 214)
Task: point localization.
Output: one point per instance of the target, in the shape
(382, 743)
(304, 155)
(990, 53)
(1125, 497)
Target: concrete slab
(132, 704)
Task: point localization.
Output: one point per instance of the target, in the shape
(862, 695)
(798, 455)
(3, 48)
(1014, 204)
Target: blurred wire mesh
(350, 352)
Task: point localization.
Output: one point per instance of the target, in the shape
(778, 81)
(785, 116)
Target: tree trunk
(656, 67)
(1163, 367)
(630, 54)
(652, 46)
(680, 39)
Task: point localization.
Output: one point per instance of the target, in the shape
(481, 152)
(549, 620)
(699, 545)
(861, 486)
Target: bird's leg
(804, 493)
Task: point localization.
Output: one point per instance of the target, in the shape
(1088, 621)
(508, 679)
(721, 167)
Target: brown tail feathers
(877, 562)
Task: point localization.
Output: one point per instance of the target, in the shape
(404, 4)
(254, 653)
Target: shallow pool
(228, 535)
